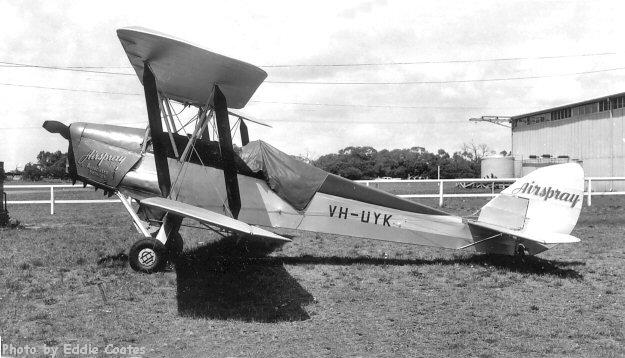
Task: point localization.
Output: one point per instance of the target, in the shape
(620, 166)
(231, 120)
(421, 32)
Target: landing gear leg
(170, 238)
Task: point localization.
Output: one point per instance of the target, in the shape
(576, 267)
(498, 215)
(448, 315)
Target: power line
(325, 121)
(24, 127)
(91, 69)
(265, 102)
(447, 81)
(101, 67)
(40, 127)
(441, 61)
(383, 106)
(68, 89)
(60, 68)
(365, 83)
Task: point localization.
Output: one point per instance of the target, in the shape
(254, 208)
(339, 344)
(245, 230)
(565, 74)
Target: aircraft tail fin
(536, 212)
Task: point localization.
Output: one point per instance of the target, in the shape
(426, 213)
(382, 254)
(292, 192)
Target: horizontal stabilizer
(212, 218)
(546, 238)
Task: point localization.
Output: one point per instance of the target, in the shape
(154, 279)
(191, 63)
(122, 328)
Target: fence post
(589, 198)
(440, 193)
(51, 200)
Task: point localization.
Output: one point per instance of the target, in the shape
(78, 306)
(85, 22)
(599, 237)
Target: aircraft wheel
(147, 255)
(521, 251)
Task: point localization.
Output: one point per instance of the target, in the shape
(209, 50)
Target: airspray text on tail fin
(547, 193)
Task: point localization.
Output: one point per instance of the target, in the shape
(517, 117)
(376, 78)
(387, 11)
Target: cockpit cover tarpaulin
(291, 179)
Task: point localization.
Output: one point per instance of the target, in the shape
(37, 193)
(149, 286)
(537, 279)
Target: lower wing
(212, 218)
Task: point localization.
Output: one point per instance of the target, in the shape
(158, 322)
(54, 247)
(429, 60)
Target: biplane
(174, 175)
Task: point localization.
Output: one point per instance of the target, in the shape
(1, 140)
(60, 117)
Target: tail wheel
(521, 251)
(148, 255)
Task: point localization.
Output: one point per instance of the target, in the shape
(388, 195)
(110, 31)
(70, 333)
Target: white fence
(52, 201)
(440, 195)
(441, 184)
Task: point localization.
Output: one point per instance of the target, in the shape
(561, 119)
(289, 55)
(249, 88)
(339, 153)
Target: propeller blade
(71, 162)
(57, 127)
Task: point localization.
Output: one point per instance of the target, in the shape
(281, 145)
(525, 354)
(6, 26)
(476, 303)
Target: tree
(32, 172)
(352, 173)
(52, 164)
(350, 162)
(474, 152)
(416, 162)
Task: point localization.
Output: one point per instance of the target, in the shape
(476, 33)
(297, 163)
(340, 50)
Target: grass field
(64, 279)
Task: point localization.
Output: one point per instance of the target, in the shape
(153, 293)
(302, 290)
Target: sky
(461, 59)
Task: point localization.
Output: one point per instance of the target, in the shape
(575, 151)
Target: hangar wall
(592, 131)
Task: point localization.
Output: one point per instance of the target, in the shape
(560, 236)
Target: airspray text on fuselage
(102, 157)
(547, 193)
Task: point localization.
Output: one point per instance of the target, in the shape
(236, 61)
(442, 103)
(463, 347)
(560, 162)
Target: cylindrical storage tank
(497, 167)
(518, 167)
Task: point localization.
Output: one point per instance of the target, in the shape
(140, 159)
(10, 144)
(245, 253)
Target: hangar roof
(599, 99)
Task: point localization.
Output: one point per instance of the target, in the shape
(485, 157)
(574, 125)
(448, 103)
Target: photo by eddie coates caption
(70, 349)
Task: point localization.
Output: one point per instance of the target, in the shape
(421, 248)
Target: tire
(147, 256)
(521, 251)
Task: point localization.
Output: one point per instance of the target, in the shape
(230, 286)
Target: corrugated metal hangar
(590, 132)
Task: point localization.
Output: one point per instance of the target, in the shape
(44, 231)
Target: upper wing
(212, 218)
(187, 73)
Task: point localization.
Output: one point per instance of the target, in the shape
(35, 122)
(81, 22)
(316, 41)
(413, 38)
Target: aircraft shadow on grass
(220, 281)
(530, 265)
